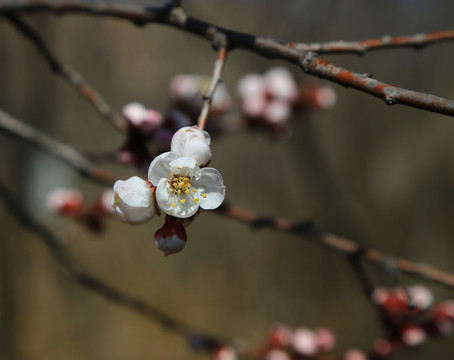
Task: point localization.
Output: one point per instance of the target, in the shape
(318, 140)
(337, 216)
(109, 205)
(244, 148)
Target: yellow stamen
(194, 190)
(179, 192)
(187, 191)
(182, 201)
(204, 196)
(173, 204)
(171, 190)
(196, 200)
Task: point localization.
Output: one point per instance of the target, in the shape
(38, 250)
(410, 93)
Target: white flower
(133, 200)
(192, 142)
(182, 186)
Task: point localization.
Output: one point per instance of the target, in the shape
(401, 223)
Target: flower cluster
(268, 100)
(70, 202)
(178, 184)
(412, 316)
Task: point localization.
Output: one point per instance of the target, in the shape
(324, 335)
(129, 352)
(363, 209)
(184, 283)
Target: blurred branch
(68, 74)
(267, 47)
(95, 285)
(215, 80)
(417, 41)
(309, 230)
(66, 153)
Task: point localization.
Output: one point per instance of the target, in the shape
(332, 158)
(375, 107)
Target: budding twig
(61, 151)
(263, 46)
(68, 74)
(215, 80)
(309, 231)
(416, 41)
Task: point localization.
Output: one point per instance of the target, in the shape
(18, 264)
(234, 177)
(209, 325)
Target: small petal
(160, 168)
(304, 342)
(211, 186)
(185, 166)
(192, 142)
(133, 201)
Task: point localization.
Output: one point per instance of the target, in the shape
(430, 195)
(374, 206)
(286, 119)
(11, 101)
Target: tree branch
(61, 151)
(267, 47)
(308, 230)
(68, 74)
(416, 41)
(97, 286)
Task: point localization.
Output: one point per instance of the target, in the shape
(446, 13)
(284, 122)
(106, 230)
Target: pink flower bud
(65, 201)
(133, 201)
(445, 310)
(413, 335)
(192, 142)
(225, 353)
(277, 112)
(251, 86)
(319, 97)
(304, 342)
(171, 238)
(141, 118)
(276, 354)
(279, 335)
(382, 347)
(280, 84)
(421, 296)
(325, 339)
(354, 354)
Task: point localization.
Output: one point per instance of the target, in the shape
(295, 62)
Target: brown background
(380, 175)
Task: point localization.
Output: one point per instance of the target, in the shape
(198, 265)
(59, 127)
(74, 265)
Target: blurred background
(380, 175)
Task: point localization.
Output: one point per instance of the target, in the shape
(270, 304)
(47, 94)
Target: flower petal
(133, 201)
(211, 184)
(181, 206)
(185, 166)
(160, 168)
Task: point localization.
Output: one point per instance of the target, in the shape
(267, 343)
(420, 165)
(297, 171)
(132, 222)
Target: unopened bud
(325, 339)
(413, 335)
(171, 238)
(304, 342)
(354, 354)
(65, 201)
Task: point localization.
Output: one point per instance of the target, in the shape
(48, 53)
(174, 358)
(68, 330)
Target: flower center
(179, 184)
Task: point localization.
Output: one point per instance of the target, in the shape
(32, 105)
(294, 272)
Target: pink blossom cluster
(412, 316)
(269, 100)
(71, 202)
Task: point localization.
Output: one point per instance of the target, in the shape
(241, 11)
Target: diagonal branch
(416, 41)
(68, 74)
(308, 230)
(263, 46)
(99, 287)
(66, 153)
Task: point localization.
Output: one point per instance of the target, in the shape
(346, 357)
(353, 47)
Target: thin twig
(68, 74)
(263, 46)
(307, 229)
(61, 151)
(215, 80)
(97, 286)
(416, 41)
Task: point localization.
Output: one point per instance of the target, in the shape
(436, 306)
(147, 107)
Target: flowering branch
(416, 41)
(84, 279)
(61, 151)
(68, 74)
(267, 47)
(309, 230)
(215, 80)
